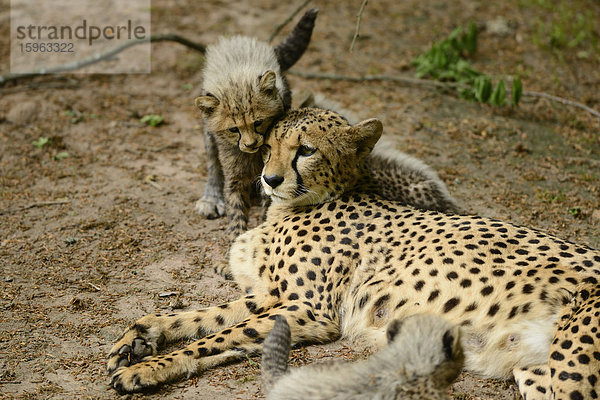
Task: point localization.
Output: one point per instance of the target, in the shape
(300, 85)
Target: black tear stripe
(300, 189)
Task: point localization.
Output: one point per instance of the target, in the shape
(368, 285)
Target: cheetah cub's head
(427, 346)
(312, 156)
(242, 115)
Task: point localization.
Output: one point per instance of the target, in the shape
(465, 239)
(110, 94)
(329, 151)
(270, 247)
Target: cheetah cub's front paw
(211, 207)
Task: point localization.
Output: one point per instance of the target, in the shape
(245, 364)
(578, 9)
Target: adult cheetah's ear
(207, 104)
(365, 134)
(267, 81)
(393, 329)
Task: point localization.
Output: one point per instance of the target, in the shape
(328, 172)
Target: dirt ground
(120, 238)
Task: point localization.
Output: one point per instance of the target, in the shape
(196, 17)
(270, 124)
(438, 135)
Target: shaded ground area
(122, 239)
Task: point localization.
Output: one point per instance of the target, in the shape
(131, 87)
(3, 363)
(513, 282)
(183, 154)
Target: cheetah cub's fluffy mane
(422, 359)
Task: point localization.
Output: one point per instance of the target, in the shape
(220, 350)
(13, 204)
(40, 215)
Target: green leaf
(498, 97)
(482, 88)
(470, 39)
(152, 119)
(41, 142)
(61, 156)
(517, 91)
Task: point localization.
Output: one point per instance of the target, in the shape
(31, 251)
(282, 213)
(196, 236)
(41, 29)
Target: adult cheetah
(422, 359)
(337, 260)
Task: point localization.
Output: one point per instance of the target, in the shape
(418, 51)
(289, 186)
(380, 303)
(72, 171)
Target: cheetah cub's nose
(273, 180)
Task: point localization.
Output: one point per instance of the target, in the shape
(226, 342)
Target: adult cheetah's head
(313, 155)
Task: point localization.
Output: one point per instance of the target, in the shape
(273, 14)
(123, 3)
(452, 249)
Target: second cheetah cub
(422, 359)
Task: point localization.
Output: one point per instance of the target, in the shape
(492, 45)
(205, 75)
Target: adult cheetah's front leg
(149, 333)
(230, 343)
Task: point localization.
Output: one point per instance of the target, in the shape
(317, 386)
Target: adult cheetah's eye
(306, 151)
(235, 129)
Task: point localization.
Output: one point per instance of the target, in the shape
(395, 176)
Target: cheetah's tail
(291, 49)
(276, 350)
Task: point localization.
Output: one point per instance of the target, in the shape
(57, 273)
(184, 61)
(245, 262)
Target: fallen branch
(581, 160)
(358, 18)
(165, 37)
(432, 83)
(33, 205)
(371, 78)
(279, 27)
(562, 101)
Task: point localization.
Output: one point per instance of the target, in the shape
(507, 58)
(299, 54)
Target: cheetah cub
(422, 358)
(245, 91)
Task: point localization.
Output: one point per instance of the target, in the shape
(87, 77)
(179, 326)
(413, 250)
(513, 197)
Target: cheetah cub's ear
(393, 329)
(267, 82)
(363, 136)
(207, 104)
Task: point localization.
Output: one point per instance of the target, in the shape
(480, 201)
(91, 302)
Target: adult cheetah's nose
(273, 180)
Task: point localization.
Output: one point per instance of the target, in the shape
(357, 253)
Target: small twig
(95, 287)
(150, 181)
(84, 62)
(358, 18)
(370, 78)
(33, 205)
(160, 148)
(582, 160)
(10, 382)
(562, 101)
(432, 83)
(279, 27)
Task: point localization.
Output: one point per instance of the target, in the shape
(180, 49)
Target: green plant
(445, 61)
(563, 26)
(41, 142)
(152, 119)
(61, 156)
(575, 212)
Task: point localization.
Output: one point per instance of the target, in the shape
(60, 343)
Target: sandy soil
(121, 238)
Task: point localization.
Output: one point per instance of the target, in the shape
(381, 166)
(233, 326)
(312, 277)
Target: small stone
(596, 215)
(71, 241)
(23, 113)
(499, 27)
(167, 294)
(8, 279)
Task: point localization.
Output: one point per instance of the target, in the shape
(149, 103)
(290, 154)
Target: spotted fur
(336, 260)
(422, 358)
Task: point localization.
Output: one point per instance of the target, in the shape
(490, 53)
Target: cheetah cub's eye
(258, 123)
(306, 151)
(235, 129)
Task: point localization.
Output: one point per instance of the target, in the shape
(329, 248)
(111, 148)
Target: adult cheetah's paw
(130, 350)
(136, 378)
(211, 207)
(222, 268)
